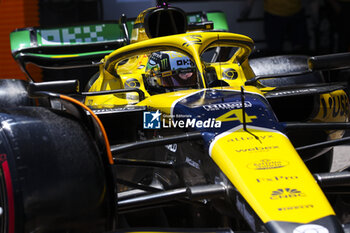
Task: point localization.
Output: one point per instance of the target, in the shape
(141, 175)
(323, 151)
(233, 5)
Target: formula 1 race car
(175, 132)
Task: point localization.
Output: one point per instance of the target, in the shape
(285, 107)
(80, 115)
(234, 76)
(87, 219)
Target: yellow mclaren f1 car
(177, 131)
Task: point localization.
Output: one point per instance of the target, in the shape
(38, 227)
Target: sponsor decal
(157, 55)
(171, 147)
(298, 207)
(227, 106)
(291, 92)
(276, 179)
(151, 120)
(110, 110)
(184, 62)
(192, 163)
(236, 115)
(240, 139)
(257, 149)
(132, 83)
(267, 164)
(310, 228)
(164, 63)
(337, 105)
(192, 40)
(229, 74)
(286, 193)
(73, 35)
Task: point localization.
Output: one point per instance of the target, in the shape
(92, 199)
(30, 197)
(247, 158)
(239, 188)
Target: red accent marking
(10, 200)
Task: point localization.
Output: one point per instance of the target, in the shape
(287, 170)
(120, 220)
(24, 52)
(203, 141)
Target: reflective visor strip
(10, 199)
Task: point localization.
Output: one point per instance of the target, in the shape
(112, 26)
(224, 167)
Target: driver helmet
(171, 69)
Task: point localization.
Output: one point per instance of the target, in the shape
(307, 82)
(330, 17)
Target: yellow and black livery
(231, 153)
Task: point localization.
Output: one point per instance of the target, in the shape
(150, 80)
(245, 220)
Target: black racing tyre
(53, 178)
(13, 93)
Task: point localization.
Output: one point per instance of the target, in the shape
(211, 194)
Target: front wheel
(53, 178)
